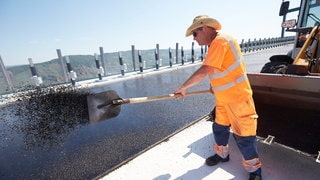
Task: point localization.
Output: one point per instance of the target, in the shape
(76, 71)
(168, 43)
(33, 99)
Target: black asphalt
(77, 150)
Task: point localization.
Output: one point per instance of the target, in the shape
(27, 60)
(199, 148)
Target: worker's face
(202, 35)
(197, 34)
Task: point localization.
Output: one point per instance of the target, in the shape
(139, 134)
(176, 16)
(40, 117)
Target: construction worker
(235, 107)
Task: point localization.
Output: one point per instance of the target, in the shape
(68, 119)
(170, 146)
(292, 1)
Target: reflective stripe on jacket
(228, 80)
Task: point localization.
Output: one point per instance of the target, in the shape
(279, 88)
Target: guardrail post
(156, 54)
(71, 74)
(121, 64)
(170, 57)
(246, 45)
(62, 65)
(133, 57)
(263, 43)
(182, 56)
(201, 56)
(102, 61)
(98, 66)
(36, 79)
(254, 45)
(5, 75)
(259, 44)
(241, 45)
(177, 53)
(140, 61)
(192, 52)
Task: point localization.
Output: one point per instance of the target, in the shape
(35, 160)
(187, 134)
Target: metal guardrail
(189, 56)
(261, 44)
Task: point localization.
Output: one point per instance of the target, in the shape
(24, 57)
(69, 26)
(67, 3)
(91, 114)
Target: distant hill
(84, 65)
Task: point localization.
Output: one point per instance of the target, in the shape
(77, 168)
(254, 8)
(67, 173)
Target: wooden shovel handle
(155, 98)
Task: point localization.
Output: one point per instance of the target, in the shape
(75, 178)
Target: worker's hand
(181, 93)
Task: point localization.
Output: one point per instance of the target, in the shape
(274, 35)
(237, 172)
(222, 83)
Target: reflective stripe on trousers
(222, 151)
(252, 164)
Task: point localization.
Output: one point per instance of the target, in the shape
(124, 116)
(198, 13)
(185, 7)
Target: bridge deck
(184, 154)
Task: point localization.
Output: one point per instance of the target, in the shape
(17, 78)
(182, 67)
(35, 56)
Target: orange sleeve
(216, 53)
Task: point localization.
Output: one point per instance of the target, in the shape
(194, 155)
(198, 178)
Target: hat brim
(201, 22)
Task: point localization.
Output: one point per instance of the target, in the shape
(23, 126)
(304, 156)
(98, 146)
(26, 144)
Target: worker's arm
(194, 79)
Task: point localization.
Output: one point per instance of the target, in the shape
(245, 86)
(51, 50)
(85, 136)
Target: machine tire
(282, 58)
(275, 67)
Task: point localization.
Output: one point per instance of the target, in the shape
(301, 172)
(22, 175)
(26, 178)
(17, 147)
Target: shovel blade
(107, 111)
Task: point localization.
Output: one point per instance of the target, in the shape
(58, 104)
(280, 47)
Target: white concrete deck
(184, 154)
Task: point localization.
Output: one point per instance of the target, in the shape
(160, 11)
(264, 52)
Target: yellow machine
(293, 79)
(305, 55)
(309, 55)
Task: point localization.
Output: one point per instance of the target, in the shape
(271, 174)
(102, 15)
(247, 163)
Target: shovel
(106, 104)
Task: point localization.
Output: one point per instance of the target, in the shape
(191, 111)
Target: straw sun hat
(199, 21)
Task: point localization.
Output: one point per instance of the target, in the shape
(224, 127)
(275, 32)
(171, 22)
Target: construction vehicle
(293, 79)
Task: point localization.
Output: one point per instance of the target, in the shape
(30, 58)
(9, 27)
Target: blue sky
(36, 28)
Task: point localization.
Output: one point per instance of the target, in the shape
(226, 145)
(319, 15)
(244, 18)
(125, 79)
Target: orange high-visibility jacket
(229, 80)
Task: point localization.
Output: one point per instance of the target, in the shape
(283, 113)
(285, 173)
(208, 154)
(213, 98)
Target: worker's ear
(208, 29)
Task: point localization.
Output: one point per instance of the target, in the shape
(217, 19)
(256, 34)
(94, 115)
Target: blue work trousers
(246, 144)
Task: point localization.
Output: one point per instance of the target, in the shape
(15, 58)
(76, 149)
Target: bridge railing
(101, 67)
(261, 44)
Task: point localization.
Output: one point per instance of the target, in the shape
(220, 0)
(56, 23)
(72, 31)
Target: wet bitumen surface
(48, 138)
(49, 135)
